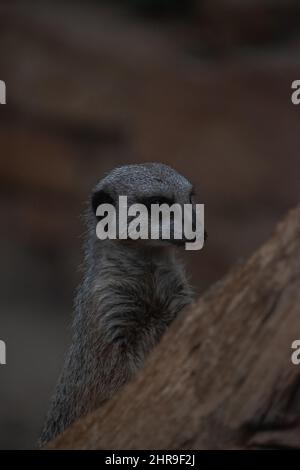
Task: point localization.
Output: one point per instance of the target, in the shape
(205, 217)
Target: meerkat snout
(127, 298)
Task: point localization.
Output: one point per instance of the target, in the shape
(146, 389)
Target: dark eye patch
(156, 200)
(100, 197)
(192, 196)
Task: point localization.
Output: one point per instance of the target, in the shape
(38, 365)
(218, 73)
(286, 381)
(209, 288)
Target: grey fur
(131, 291)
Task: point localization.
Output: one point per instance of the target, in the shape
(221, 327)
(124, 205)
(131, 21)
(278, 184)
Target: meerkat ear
(100, 197)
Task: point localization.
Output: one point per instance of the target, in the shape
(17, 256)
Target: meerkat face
(147, 184)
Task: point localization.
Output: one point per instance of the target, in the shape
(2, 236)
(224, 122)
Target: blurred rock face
(90, 88)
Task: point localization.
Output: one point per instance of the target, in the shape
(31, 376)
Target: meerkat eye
(192, 196)
(101, 197)
(157, 200)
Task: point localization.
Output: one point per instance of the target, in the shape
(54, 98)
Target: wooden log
(222, 376)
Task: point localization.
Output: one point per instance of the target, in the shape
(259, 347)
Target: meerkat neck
(126, 301)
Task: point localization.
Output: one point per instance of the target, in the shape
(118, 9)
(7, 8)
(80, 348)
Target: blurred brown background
(203, 86)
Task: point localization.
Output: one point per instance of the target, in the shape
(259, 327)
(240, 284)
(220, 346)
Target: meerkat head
(147, 184)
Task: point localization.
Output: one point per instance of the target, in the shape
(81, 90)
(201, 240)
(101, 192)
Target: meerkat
(131, 291)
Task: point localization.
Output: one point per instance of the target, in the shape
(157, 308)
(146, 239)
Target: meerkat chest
(163, 293)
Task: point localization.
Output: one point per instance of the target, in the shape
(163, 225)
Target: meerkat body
(131, 291)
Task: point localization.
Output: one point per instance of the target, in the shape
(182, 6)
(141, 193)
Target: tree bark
(222, 376)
